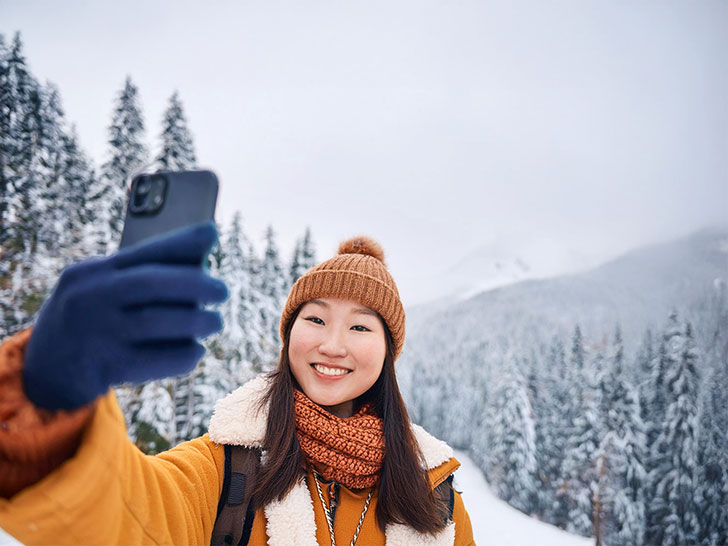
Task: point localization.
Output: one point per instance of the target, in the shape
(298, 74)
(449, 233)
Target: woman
(341, 463)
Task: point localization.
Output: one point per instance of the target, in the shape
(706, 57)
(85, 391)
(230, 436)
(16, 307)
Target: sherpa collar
(291, 522)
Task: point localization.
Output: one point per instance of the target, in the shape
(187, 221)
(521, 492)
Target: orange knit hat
(357, 273)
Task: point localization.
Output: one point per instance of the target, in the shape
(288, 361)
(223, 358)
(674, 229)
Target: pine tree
(654, 411)
(712, 493)
(579, 471)
(30, 151)
(81, 195)
(550, 404)
(513, 442)
(672, 513)
(153, 418)
(455, 396)
(304, 257)
(69, 193)
(619, 500)
(7, 110)
(273, 289)
(195, 395)
(645, 356)
(7, 101)
(241, 341)
(22, 154)
(177, 151)
(127, 155)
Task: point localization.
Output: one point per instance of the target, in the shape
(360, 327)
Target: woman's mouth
(329, 371)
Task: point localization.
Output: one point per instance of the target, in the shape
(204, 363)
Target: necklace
(327, 512)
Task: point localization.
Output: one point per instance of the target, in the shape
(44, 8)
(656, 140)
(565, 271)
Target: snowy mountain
(636, 290)
(500, 263)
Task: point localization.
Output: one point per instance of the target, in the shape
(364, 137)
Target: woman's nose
(333, 345)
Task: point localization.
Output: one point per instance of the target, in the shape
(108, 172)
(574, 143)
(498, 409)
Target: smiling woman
(319, 451)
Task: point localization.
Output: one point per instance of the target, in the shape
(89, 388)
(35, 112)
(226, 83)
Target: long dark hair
(405, 494)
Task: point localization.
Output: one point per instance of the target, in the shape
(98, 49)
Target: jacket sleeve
(33, 441)
(463, 528)
(109, 492)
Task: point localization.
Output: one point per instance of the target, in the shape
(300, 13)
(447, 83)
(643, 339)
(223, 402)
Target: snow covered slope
(496, 523)
(7, 540)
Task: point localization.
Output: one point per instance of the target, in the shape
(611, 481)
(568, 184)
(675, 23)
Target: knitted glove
(130, 317)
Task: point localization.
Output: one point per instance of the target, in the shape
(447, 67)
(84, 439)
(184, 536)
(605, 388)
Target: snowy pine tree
(552, 429)
(304, 257)
(273, 288)
(240, 342)
(579, 470)
(672, 512)
(619, 512)
(512, 451)
(195, 395)
(177, 153)
(152, 424)
(712, 490)
(127, 154)
(80, 199)
(24, 173)
(41, 165)
(69, 195)
(7, 101)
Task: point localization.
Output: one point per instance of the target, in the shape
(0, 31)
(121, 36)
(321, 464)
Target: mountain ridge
(636, 289)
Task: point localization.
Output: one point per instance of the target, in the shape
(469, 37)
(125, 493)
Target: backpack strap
(445, 496)
(235, 511)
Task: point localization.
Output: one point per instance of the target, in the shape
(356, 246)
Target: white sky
(435, 127)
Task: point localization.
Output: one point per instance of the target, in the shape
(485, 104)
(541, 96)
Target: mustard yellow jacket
(110, 493)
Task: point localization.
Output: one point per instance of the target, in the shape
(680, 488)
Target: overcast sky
(435, 127)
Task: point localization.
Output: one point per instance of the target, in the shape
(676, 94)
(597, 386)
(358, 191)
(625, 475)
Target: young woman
(340, 461)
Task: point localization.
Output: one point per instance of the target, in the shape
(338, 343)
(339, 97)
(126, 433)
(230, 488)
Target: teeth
(330, 371)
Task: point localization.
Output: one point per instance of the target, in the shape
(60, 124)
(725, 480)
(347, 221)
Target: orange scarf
(349, 450)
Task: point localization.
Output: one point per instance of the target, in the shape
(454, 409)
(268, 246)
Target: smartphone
(167, 200)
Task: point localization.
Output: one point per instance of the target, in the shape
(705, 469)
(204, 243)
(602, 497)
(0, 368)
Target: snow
(496, 522)
(7, 540)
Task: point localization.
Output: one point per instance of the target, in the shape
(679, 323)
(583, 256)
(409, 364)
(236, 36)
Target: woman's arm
(107, 492)
(33, 442)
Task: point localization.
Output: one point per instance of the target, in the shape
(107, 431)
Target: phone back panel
(190, 198)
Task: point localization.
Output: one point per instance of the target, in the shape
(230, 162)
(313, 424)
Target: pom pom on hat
(362, 245)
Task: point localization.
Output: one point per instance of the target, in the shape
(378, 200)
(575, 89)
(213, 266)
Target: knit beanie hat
(357, 273)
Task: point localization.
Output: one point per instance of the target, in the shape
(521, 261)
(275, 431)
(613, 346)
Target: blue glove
(129, 317)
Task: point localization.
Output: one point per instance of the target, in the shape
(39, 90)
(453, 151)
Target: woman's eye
(315, 320)
(360, 328)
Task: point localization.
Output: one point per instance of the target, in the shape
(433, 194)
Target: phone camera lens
(144, 186)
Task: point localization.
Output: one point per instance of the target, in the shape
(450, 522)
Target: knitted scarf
(348, 450)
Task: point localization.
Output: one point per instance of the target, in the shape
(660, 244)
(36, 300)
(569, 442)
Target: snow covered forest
(627, 445)
(611, 423)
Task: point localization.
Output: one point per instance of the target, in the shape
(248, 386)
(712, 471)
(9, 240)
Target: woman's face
(336, 351)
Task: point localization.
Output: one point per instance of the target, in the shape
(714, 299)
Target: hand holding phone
(130, 317)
